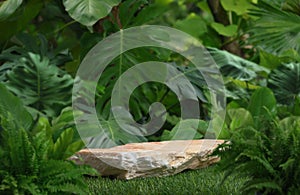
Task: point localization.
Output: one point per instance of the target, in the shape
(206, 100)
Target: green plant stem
(121, 59)
(164, 95)
(167, 110)
(61, 28)
(230, 17)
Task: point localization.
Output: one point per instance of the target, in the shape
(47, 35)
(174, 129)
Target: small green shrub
(267, 150)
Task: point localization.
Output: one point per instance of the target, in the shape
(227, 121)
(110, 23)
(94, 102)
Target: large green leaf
(88, 12)
(269, 60)
(228, 31)
(240, 7)
(285, 82)
(262, 101)
(276, 30)
(146, 94)
(8, 7)
(240, 118)
(193, 25)
(40, 84)
(12, 107)
(235, 66)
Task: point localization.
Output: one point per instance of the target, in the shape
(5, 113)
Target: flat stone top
(149, 159)
(168, 146)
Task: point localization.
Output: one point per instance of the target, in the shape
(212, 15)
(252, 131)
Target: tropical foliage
(33, 162)
(255, 44)
(33, 74)
(263, 147)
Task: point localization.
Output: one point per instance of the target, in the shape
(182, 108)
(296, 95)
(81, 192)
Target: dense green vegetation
(255, 44)
(33, 160)
(263, 146)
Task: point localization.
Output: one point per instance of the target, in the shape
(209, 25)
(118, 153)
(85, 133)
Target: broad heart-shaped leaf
(193, 25)
(228, 31)
(39, 84)
(240, 7)
(88, 12)
(285, 83)
(239, 117)
(8, 7)
(269, 60)
(189, 129)
(13, 106)
(235, 66)
(262, 101)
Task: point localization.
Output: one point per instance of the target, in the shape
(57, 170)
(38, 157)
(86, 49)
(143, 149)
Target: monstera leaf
(40, 84)
(285, 82)
(146, 94)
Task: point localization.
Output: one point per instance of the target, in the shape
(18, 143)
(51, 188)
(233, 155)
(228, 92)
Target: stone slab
(149, 159)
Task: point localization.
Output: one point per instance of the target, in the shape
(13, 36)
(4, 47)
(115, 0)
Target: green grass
(203, 181)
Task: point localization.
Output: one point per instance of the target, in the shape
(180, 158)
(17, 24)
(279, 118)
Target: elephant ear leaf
(12, 107)
(235, 66)
(88, 12)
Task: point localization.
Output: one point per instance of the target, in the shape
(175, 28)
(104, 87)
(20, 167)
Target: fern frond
(261, 184)
(55, 174)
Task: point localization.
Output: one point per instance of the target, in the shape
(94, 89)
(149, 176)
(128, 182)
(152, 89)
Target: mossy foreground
(204, 181)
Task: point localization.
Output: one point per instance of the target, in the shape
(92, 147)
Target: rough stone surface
(149, 159)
